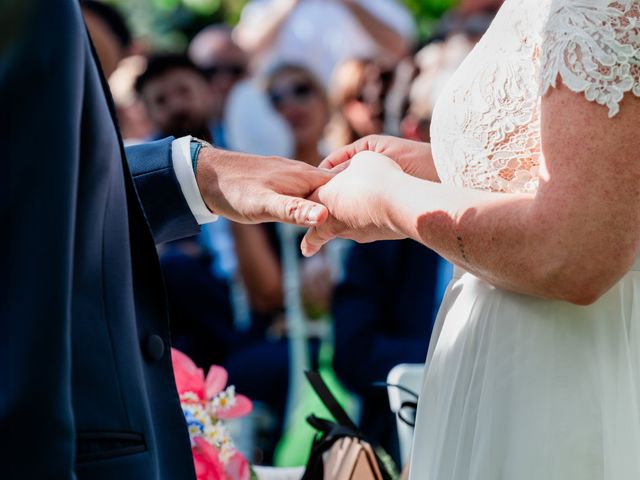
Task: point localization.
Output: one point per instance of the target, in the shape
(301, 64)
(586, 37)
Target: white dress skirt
(528, 389)
(517, 387)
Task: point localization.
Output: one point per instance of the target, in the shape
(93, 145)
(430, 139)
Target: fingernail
(314, 215)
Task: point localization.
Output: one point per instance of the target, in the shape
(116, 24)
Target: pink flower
(216, 381)
(238, 467)
(189, 378)
(207, 462)
(241, 408)
(212, 396)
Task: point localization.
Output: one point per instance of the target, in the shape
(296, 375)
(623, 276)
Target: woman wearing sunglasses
(358, 91)
(296, 94)
(300, 100)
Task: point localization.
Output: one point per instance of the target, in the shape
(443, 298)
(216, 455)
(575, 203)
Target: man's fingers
(314, 239)
(314, 177)
(322, 175)
(299, 211)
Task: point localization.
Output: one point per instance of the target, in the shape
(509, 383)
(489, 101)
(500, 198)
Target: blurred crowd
(295, 78)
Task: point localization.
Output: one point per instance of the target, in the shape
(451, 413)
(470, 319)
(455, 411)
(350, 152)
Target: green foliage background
(169, 24)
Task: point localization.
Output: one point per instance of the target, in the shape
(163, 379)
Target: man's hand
(252, 189)
(413, 157)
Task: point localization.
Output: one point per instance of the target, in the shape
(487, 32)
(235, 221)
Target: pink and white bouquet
(206, 403)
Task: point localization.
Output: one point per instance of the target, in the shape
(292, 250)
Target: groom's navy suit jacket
(86, 384)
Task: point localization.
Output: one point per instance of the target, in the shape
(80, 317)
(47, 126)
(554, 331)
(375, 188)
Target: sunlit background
(169, 24)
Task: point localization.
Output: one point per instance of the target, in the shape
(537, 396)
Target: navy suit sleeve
(164, 205)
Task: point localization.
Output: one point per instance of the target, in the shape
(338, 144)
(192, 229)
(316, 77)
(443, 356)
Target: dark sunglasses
(230, 70)
(298, 92)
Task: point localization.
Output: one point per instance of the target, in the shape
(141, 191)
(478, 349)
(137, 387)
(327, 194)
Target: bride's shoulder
(593, 46)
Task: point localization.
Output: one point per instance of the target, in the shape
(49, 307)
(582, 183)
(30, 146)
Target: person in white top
(320, 34)
(531, 187)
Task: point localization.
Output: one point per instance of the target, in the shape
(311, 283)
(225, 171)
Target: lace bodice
(486, 124)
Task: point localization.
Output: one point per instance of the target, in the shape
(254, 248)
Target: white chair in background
(409, 376)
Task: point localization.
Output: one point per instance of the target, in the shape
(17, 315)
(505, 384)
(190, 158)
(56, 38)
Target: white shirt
(181, 158)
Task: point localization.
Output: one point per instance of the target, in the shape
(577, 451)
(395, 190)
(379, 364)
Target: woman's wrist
(394, 195)
(410, 205)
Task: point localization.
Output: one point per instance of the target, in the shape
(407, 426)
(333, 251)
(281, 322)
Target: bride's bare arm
(572, 241)
(581, 231)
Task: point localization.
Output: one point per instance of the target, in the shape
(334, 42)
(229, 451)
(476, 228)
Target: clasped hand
(350, 195)
(361, 197)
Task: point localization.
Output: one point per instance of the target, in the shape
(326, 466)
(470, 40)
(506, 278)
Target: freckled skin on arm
(581, 231)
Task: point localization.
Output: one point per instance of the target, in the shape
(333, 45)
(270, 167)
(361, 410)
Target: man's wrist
(198, 149)
(209, 157)
(197, 145)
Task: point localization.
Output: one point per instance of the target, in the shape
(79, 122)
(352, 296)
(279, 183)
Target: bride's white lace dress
(520, 388)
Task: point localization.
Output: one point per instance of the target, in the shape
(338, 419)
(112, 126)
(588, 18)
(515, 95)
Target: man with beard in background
(176, 96)
(178, 99)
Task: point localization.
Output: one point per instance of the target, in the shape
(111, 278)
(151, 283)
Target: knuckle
(292, 208)
(370, 141)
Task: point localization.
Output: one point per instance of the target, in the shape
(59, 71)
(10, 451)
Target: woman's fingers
(342, 156)
(316, 237)
(337, 158)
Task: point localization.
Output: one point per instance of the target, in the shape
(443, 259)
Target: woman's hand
(413, 157)
(359, 200)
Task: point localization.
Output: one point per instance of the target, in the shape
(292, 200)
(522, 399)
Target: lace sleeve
(594, 46)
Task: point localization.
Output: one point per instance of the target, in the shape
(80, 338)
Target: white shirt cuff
(181, 158)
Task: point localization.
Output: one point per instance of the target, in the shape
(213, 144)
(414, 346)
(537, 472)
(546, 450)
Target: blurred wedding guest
(109, 33)
(383, 311)
(471, 18)
(176, 96)
(299, 97)
(224, 63)
(113, 44)
(479, 6)
(214, 51)
(358, 91)
(132, 115)
(321, 34)
(421, 78)
(434, 65)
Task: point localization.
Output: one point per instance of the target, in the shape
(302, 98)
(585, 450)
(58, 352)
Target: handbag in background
(341, 451)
